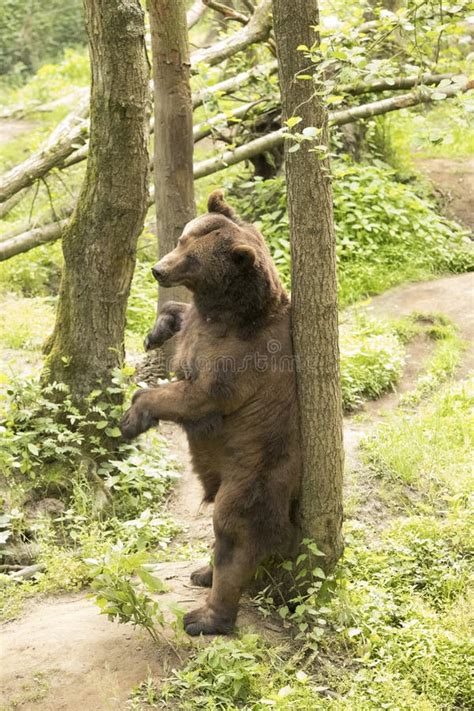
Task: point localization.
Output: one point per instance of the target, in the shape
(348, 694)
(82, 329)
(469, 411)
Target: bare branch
(384, 106)
(233, 83)
(228, 12)
(257, 30)
(195, 12)
(204, 129)
(51, 232)
(30, 239)
(9, 204)
(400, 83)
(35, 107)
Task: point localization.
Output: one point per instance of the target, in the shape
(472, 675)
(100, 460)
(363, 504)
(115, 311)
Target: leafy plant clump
(385, 232)
(72, 488)
(372, 360)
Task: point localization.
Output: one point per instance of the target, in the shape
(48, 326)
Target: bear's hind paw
(205, 621)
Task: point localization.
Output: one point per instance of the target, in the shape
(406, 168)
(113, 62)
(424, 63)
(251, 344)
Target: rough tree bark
(314, 288)
(173, 159)
(99, 242)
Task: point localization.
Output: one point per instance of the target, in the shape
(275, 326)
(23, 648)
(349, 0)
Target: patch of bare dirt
(452, 296)
(453, 181)
(10, 129)
(63, 655)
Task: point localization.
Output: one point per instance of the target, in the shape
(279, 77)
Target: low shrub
(385, 232)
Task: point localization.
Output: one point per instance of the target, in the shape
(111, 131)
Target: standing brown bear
(235, 396)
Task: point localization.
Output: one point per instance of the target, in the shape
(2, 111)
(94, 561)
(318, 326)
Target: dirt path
(10, 129)
(63, 655)
(453, 181)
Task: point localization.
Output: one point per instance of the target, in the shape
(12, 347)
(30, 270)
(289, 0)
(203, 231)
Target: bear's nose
(157, 272)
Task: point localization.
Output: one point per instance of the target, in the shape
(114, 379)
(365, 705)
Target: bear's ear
(216, 203)
(244, 255)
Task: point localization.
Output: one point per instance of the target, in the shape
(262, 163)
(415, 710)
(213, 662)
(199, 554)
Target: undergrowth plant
(372, 359)
(123, 588)
(386, 233)
(94, 489)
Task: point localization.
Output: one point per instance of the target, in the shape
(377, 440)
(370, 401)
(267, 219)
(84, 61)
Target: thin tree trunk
(100, 241)
(174, 142)
(314, 287)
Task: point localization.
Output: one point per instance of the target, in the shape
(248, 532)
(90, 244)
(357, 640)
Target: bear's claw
(136, 421)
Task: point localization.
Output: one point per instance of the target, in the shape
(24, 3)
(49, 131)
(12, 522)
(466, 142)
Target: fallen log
(63, 141)
(48, 233)
(195, 12)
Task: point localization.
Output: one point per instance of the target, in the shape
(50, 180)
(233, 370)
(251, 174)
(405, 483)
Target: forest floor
(63, 654)
(453, 183)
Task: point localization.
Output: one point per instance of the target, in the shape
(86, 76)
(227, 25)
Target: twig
(50, 197)
(33, 202)
(228, 12)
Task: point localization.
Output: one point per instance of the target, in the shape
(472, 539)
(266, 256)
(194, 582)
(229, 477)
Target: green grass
(449, 348)
(445, 130)
(429, 449)
(372, 360)
(25, 323)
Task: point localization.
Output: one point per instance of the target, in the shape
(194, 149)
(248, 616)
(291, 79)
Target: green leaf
(354, 631)
(33, 449)
(113, 432)
(150, 581)
(293, 121)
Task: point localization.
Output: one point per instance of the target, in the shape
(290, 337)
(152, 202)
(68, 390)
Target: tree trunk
(173, 159)
(314, 288)
(100, 241)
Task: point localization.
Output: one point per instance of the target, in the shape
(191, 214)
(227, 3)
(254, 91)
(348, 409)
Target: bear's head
(225, 262)
(214, 247)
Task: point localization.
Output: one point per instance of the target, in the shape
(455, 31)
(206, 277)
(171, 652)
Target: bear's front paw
(206, 621)
(137, 419)
(164, 329)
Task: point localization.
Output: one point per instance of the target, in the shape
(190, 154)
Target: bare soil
(453, 182)
(10, 129)
(62, 654)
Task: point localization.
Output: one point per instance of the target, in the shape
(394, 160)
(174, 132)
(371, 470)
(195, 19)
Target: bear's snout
(159, 273)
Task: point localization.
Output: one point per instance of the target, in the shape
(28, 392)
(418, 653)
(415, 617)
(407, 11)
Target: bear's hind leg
(234, 567)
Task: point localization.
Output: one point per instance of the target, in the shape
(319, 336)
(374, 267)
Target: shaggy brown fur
(235, 396)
